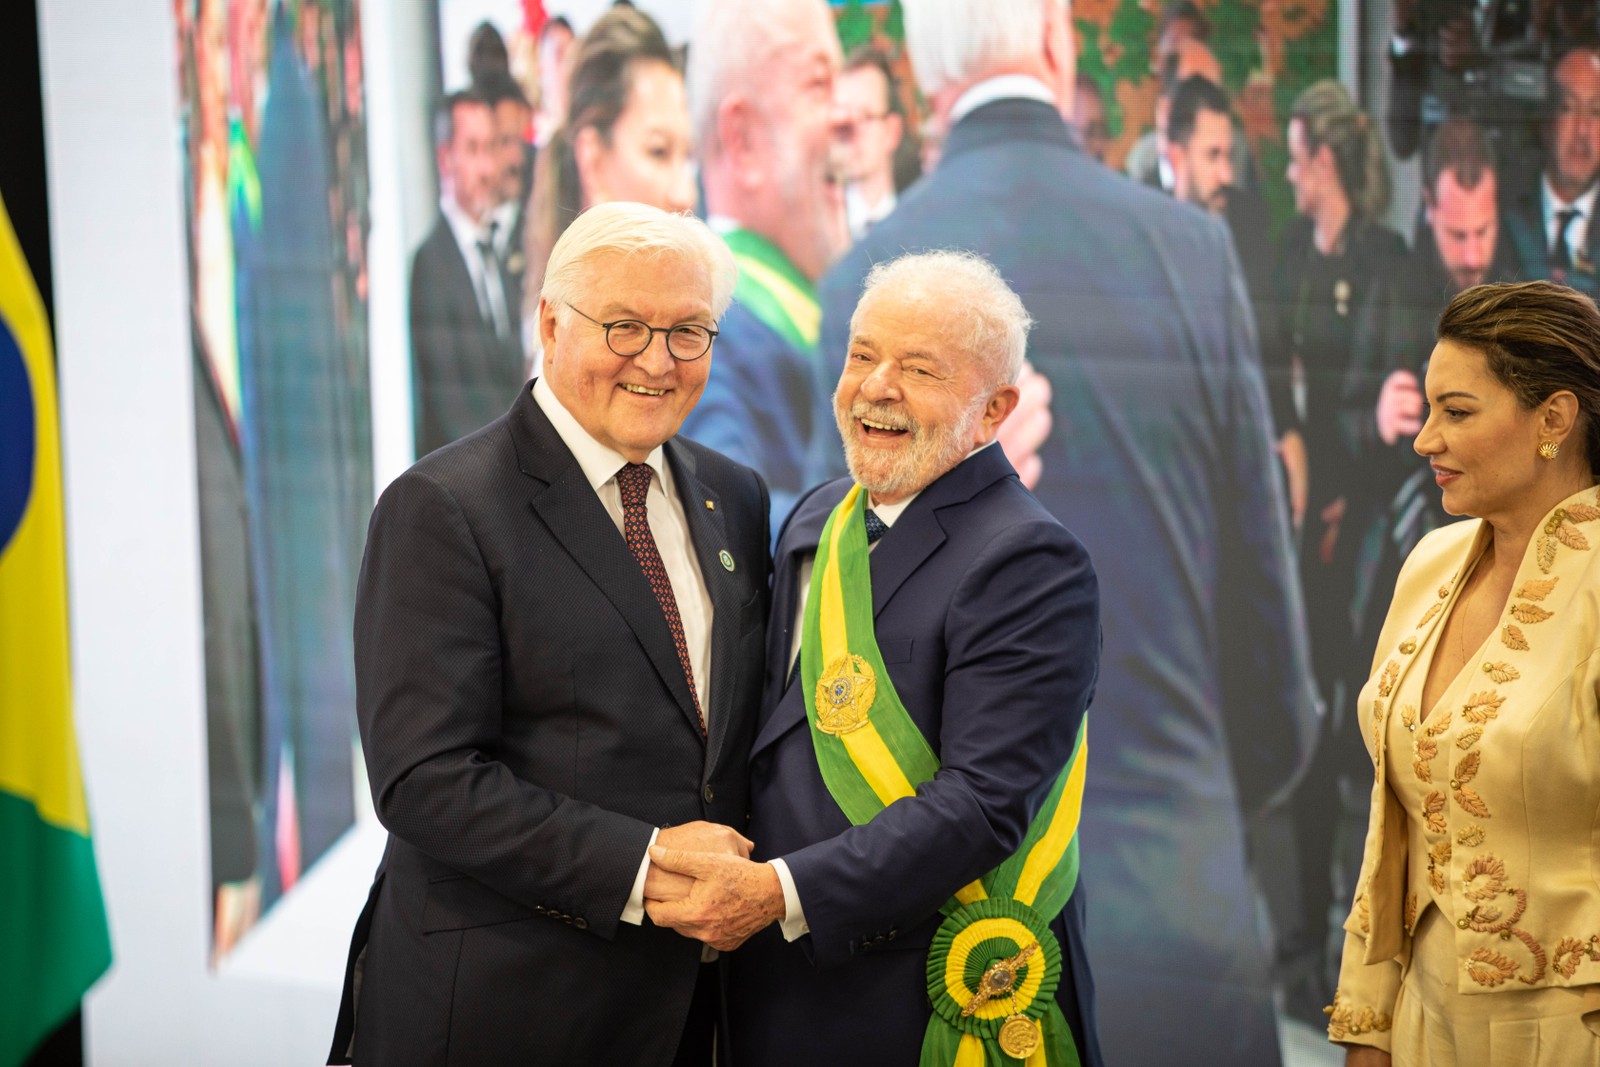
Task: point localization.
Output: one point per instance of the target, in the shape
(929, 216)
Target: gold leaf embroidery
(1411, 910)
(1489, 968)
(1511, 637)
(1408, 716)
(1572, 537)
(1438, 858)
(1391, 671)
(1426, 750)
(1582, 513)
(1345, 1021)
(1427, 616)
(1547, 553)
(1432, 811)
(1469, 801)
(1467, 769)
(1470, 836)
(1534, 589)
(1568, 954)
(1501, 672)
(1535, 950)
(1439, 723)
(1377, 711)
(1469, 737)
(1481, 707)
(1493, 872)
(1529, 613)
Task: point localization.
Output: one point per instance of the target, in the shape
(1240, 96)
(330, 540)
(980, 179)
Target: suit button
(709, 793)
(581, 923)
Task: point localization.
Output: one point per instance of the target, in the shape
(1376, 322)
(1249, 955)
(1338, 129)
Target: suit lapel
(570, 510)
(914, 537)
(703, 509)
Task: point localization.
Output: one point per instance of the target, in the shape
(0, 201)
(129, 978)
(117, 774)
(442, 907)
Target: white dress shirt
(1578, 230)
(486, 284)
(1001, 87)
(670, 527)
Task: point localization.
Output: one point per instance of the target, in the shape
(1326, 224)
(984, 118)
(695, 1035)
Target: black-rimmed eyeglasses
(630, 337)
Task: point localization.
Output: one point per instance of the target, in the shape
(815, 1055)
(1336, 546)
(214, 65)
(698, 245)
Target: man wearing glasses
(870, 139)
(559, 631)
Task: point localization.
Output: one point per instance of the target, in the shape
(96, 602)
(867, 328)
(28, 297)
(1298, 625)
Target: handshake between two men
(703, 884)
(560, 630)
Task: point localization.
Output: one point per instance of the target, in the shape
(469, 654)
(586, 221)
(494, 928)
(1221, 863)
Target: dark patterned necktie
(634, 482)
(876, 527)
(1561, 254)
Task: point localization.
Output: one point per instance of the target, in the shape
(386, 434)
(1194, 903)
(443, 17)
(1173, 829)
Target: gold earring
(1549, 450)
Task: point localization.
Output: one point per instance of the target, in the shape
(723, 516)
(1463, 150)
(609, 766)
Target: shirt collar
(599, 463)
(1001, 87)
(467, 232)
(1553, 203)
(888, 513)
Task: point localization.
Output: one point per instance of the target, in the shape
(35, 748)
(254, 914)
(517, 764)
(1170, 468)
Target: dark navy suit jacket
(1524, 225)
(1161, 462)
(987, 615)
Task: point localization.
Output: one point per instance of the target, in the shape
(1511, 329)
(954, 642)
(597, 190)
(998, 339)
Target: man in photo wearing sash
(761, 95)
(918, 769)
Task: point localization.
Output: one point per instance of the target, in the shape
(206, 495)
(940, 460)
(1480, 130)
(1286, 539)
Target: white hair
(633, 229)
(732, 44)
(995, 322)
(952, 42)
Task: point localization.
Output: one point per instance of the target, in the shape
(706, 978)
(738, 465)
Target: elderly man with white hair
(761, 94)
(917, 774)
(558, 642)
(1161, 461)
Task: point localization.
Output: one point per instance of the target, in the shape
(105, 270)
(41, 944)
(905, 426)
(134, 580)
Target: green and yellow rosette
(994, 965)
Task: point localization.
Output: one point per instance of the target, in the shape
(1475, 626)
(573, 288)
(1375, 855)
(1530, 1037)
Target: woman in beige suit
(1475, 932)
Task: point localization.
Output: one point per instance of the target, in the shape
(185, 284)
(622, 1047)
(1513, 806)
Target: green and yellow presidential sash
(994, 965)
(774, 290)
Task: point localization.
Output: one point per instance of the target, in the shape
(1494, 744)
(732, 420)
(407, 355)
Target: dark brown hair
(1538, 338)
(597, 94)
(1460, 147)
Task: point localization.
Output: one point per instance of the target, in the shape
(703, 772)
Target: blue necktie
(876, 527)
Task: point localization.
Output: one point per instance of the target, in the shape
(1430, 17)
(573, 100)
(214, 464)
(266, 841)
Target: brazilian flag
(54, 942)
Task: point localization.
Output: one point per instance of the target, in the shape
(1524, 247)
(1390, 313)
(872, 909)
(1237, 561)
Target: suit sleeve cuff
(633, 911)
(794, 917)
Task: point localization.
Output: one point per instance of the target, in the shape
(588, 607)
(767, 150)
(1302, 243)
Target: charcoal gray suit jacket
(526, 724)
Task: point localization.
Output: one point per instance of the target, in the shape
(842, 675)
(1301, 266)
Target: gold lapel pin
(711, 505)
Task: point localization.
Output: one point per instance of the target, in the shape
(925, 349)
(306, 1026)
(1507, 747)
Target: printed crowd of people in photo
(1225, 407)
(273, 107)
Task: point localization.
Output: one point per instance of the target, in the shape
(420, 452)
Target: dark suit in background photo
(1550, 217)
(466, 307)
(1161, 462)
(532, 703)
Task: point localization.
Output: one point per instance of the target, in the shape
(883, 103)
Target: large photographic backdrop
(1228, 784)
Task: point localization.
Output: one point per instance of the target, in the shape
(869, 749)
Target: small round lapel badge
(727, 560)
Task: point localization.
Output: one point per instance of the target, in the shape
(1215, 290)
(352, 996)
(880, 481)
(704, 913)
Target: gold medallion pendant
(844, 695)
(1019, 1037)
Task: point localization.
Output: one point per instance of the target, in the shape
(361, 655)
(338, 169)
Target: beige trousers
(1435, 1026)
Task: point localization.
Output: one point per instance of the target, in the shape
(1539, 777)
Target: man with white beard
(761, 95)
(918, 767)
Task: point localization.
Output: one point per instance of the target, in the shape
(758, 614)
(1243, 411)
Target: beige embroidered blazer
(1521, 801)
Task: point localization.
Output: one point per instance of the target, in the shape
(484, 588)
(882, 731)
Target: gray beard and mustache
(932, 450)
